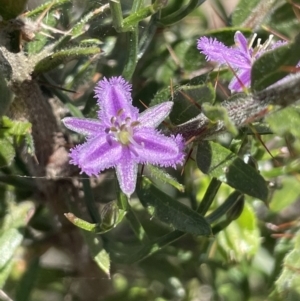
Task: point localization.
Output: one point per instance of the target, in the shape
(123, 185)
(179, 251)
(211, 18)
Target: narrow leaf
(274, 65)
(11, 9)
(9, 242)
(5, 272)
(252, 13)
(225, 207)
(215, 113)
(188, 101)
(218, 161)
(170, 211)
(63, 56)
(7, 152)
(98, 253)
(12, 230)
(164, 177)
(241, 239)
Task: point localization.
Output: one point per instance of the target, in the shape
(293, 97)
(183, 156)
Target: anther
(113, 120)
(135, 123)
(120, 112)
(123, 127)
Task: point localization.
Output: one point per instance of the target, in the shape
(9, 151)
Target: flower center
(124, 137)
(121, 129)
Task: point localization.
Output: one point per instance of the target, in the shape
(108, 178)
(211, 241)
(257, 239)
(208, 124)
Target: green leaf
(94, 242)
(284, 20)
(5, 272)
(286, 195)
(134, 222)
(62, 56)
(13, 127)
(216, 113)
(129, 254)
(241, 239)
(289, 121)
(188, 101)
(287, 285)
(81, 28)
(269, 68)
(40, 40)
(11, 232)
(7, 152)
(98, 253)
(40, 9)
(11, 9)
(9, 242)
(115, 216)
(226, 207)
(218, 161)
(164, 177)
(251, 13)
(161, 96)
(170, 211)
(18, 216)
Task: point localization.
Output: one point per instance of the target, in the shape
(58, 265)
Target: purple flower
(240, 58)
(123, 138)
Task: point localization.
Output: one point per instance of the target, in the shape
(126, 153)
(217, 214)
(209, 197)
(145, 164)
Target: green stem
(131, 21)
(117, 16)
(209, 196)
(89, 201)
(132, 42)
(224, 208)
(136, 5)
(147, 35)
(135, 224)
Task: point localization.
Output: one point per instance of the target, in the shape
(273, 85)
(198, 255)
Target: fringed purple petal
(126, 170)
(218, 52)
(212, 49)
(158, 149)
(96, 154)
(243, 81)
(154, 116)
(113, 95)
(83, 126)
(241, 41)
(277, 44)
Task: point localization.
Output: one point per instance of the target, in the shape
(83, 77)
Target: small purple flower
(240, 58)
(123, 138)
